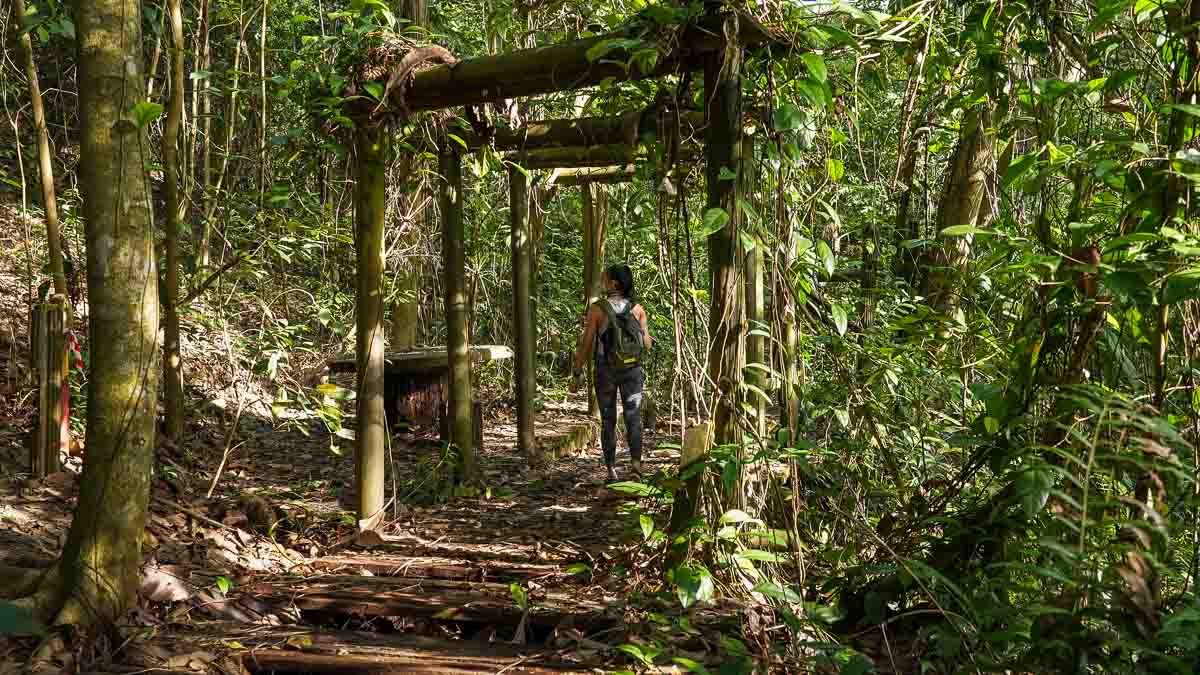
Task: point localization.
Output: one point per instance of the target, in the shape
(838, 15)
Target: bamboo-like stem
(45, 165)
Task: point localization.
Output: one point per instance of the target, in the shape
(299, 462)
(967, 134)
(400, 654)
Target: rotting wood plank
(561, 67)
(437, 568)
(503, 551)
(431, 599)
(623, 129)
(300, 649)
(594, 156)
(423, 360)
(587, 175)
(424, 663)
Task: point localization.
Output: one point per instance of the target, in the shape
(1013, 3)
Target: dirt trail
(525, 577)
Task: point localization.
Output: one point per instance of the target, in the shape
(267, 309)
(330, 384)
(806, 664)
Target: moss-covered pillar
(458, 343)
(371, 148)
(523, 307)
(722, 94)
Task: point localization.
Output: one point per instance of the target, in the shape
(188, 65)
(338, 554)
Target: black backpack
(623, 338)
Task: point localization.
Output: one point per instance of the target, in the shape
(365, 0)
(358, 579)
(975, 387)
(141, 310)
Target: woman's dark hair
(624, 278)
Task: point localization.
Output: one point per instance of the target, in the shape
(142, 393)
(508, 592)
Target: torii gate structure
(598, 145)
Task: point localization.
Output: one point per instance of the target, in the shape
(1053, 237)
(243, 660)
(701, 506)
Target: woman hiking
(616, 327)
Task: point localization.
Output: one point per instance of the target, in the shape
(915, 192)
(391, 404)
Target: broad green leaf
(1019, 167)
(761, 556)
(1187, 108)
(816, 66)
(840, 319)
(375, 89)
(519, 595)
(827, 258)
(639, 489)
(578, 568)
(647, 524)
(714, 219)
(693, 584)
(964, 230)
(773, 590)
(843, 416)
(736, 516)
(1033, 488)
(788, 117)
(224, 585)
(835, 169)
(146, 112)
(690, 665)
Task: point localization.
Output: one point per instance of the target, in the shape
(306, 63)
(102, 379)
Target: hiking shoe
(612, 476)
(636, 465)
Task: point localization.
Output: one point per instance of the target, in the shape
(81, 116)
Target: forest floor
(532, 575)
(253, 563)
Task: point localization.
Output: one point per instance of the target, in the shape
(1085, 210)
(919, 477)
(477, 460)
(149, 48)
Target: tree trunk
(594, 219)
(963, 195)
(722, 82)
(523, 310)
(45, 165)
(722, 91)
(458, 342)
(203, 253)
(262, 126)
(371, 148)
(96, 578)
(405, 317)
(202, 124)
(172, 362)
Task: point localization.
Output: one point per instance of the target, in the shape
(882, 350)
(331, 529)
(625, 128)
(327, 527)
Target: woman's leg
(631, 384)
(606, 397)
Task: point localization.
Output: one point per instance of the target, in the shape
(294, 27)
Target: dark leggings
(629, 383)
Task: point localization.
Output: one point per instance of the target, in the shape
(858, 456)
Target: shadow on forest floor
(269, 575)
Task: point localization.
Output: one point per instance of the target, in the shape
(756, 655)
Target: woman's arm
(647, 341)
(589, 336)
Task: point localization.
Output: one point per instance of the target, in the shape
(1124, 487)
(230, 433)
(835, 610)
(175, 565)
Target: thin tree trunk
(262, 126)
(203, 254)
(172, 363)
(594, 218)
(155, 57)
(523, 311)
(45, 163)
(202, 126)
(405, 317)
(722, 92)
(963, 195)
(458, 342)
(96, 578)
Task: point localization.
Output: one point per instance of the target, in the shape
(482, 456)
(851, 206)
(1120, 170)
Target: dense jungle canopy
(922, 280)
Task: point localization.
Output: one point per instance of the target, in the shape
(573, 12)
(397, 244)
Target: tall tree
(96, 578)
(372, 151)
(45, 166)
(172, 365)
(405, 324)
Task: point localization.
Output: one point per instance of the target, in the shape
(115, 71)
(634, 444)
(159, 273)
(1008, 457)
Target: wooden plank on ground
(423, 360)
(432, 599)
(424, 663)
(502, 551)
(300, 649)
(428, 567)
